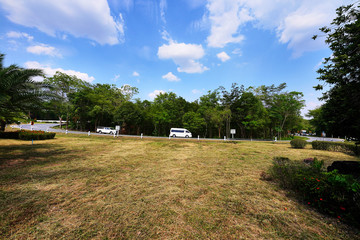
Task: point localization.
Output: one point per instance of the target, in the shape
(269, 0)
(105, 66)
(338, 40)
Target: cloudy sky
(184, 46)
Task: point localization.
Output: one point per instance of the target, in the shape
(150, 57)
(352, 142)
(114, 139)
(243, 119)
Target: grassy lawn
(101, 187)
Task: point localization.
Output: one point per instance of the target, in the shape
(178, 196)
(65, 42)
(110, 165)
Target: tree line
(261, 112)
(255, 112)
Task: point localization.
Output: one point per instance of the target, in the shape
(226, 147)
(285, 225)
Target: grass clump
(330, 192)
(298, 143)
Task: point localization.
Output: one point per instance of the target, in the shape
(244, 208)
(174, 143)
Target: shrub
(10, 135)
(336, 147)
(35, 135)
(298, 143)
(330, 192)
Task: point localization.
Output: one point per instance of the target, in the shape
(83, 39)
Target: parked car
(180, 132)
(108, 130)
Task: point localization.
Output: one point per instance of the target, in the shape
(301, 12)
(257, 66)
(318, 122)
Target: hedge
(27, 135)
(298, 143)
(336, 147)
(331, 192)
(10, 135)
(35, 135)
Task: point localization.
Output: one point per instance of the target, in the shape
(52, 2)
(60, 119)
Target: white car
(108, 130)
(180, 132)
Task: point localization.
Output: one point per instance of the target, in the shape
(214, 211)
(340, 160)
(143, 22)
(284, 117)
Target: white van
(180, 132)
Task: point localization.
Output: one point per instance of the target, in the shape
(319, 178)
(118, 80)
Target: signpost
(117, 128)
(233, 131)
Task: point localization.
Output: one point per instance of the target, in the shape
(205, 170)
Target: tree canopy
(19, 93)
(341, 72)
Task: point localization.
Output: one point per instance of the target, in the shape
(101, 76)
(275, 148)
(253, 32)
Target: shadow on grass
(20, 155)
(19, 208)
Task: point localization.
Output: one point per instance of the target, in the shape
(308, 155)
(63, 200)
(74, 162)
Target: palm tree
(19, 93)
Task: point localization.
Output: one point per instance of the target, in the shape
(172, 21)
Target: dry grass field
(80, 187)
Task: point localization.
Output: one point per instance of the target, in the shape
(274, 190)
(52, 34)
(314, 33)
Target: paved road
(49, 127)
(311, 139)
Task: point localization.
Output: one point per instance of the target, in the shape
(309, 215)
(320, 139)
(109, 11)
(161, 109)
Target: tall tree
(317, 120)
(167, 112)
(62, 85)
(19, 93)
(251, 115)
(341, 71)
(209, 103)
(194, 123)
(285, 107)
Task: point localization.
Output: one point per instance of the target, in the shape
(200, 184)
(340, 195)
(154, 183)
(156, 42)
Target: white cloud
(116, 77)
(310, 105)
(294, 22)
(196, 91)
(13, 34)
(237, 51)
(184, 55)
(297, 28)
(223, 56)
(226, 16)
(81, 18)
(155, 93)
(136, 74)
(44, 49)
(171, 77)
(319, 64)
(163, 6)
(51, 71)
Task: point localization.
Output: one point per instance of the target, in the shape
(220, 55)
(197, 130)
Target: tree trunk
(60, 118)
(67, 121)
(2, 126)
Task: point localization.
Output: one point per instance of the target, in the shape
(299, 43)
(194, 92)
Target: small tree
(19, 93)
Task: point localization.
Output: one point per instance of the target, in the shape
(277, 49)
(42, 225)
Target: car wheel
(173, 135)
(100, 132)
(186, 136)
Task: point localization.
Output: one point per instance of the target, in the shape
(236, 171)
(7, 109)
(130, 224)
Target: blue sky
(184, 46)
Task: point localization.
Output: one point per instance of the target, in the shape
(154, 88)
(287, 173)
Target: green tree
(130, 116)
(317, 120)
(251, 115)
(194, 123)
(209, 103)
(96, 105)
(19, 93)
(229, 100)
(341, 71)
(62, 85)
(285, 108)
(167, 111)
(219, 117)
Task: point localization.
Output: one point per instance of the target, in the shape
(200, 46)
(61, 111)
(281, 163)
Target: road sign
(117, 128)
(233, 131)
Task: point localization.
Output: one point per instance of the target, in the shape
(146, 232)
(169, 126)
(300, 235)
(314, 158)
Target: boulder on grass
(346, 167)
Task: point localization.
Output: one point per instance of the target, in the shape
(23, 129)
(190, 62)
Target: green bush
(35, 135)
(10, 135)
(332, 193)
(336, 147)
(298, 143)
